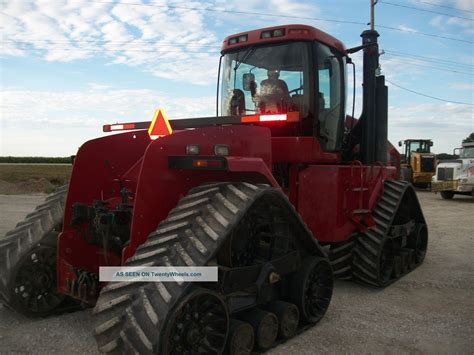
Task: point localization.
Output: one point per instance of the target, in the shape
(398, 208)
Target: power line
(423, 33)
(430, 59)
(418, 64)
(102, 49)
(106, 42)
(423, 10)
(281, 16)
(442, 6)
(429, 96)
(229, 11)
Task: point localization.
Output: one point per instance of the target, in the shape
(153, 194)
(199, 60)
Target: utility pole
(372, 14)
(372, 6)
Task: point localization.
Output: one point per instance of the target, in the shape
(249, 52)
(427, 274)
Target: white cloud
(462, 86)
(459, 20)
(62, 121)
(447, 124)
(406, 28)
(165, 38)
(153, 37)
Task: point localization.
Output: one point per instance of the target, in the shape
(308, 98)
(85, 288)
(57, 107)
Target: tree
(469, 139)
(445, 156)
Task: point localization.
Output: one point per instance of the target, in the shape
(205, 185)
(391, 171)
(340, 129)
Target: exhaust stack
(373, 138)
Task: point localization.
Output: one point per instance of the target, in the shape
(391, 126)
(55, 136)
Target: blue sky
(67, 67)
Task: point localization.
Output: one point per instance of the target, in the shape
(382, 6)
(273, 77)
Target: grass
(35, 178)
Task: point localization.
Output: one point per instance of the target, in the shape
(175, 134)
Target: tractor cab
(415, 146)
(291, 77)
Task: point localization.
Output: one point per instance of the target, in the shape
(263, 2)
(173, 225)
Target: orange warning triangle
(160, 125)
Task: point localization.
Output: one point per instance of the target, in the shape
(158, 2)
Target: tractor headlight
(221, 149)
(192, 149)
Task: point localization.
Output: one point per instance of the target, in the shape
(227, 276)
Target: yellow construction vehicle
(418, 164)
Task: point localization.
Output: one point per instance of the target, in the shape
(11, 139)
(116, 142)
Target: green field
(32, 178)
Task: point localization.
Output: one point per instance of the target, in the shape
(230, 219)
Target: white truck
(456, 177)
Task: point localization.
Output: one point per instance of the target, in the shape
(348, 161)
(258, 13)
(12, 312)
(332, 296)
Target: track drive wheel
(28, 260)
(311, 288)
(199, 324)
(33, 287)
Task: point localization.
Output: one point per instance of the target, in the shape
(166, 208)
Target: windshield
(419, 146)
(467, 153)
(270, 79)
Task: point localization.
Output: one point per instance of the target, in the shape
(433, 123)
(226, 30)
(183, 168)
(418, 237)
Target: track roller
(288, 317)
(311, 288)
(265, 325)
(397, 266)
(241, 338)
(419, 242)
(410, 257)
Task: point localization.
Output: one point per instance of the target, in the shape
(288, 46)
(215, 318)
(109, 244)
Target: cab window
(330, 97)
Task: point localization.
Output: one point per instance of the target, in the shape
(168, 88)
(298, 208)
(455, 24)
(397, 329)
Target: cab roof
(292, 32)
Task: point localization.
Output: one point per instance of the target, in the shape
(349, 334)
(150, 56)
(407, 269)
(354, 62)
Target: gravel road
(429, 310)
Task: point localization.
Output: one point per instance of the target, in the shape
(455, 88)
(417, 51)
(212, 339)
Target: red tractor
(280, 190)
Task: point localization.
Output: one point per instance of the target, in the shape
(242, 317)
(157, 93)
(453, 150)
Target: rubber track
(340, 256)
(130, 317)
(365, 262)
(27, 234)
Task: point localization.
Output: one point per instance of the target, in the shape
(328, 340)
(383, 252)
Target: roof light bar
(279, 32)
(298, 31)
(239, 39)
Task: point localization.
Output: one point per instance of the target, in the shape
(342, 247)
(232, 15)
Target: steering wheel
(295, 90)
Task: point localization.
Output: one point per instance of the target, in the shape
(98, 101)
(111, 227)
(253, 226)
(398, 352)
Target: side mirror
(248, 80)
(400, 143)
(431, 143)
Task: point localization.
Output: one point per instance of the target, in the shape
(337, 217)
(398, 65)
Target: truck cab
(456, 177)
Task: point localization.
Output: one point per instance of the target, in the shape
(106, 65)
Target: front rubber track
(130, 317)
(38, 227)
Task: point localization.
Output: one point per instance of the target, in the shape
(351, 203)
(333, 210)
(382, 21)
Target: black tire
(132, 317)
(447, 195)
(30, 243)
(311, 289)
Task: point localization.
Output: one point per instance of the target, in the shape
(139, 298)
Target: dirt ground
(431, 310)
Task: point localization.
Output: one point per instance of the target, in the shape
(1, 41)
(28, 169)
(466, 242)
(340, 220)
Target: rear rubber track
(38, 227)
(368, 247)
